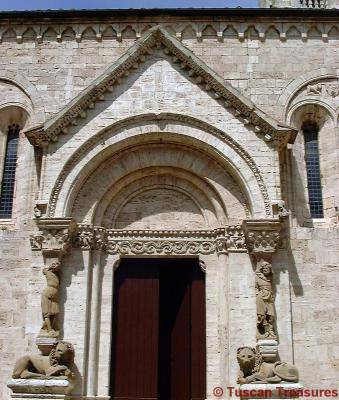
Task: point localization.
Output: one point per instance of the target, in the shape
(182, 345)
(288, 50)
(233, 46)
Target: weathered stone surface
(161, 148)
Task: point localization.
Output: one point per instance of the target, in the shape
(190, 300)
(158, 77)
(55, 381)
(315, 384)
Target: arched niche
(320, 115)
(15, 117)
(108, 145)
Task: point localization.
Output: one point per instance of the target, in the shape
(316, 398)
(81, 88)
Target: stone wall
(41, 71)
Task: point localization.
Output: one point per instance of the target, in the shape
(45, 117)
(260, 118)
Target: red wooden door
(159, 347)
(135, 332)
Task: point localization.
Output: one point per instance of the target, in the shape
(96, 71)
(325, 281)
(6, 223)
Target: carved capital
(262, 237)
(55, 237)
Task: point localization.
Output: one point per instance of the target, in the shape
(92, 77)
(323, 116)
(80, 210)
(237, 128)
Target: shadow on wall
(283, 261)
(300, 209)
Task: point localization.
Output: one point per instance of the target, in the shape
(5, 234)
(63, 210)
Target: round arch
(29, 90)
(165, 128)
(297, 84)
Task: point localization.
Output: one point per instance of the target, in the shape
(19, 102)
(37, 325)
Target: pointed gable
(157, 37)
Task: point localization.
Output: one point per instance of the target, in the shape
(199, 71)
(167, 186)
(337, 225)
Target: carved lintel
(55, 237)
(160, 242)
(262, 237)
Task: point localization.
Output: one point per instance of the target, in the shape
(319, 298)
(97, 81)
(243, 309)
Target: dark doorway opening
(159, 335)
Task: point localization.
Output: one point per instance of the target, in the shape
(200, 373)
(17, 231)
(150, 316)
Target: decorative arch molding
(202, 194)
(18, 80)
(172, 126)
(143, 160)
(303, 103)
(291, 90)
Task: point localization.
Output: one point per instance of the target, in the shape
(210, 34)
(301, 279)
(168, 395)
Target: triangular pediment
(157, 37)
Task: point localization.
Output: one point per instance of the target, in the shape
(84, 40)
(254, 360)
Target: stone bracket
(262, 237)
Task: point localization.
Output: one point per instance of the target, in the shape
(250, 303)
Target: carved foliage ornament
(55, 236)
(262, 236)
(112, 241)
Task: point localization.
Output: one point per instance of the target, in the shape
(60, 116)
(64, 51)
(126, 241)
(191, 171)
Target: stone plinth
(284, 390)
(40, 388)
(45, 344)
(268, 349)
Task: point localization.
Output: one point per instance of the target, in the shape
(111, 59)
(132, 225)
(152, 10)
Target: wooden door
(134, 372)
(159, 347)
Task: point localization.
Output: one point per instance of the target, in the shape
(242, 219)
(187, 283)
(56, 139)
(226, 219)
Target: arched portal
(160, 187)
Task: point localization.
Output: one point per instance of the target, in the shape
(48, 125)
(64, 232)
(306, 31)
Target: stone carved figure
(265, 300)
(253, 369)
(57, 365)
(50, 301)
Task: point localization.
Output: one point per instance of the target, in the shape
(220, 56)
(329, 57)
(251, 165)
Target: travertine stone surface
(162, 150)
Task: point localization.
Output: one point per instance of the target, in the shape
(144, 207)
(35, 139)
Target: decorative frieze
(327, 89)
(161, 242)
(256, 30)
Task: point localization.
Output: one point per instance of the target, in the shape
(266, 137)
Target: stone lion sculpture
(253, 369)
(57, 365)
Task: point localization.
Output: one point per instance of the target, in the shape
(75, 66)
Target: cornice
(193, 13)
(157, 37)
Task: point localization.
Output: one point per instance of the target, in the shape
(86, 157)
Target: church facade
(169, 202)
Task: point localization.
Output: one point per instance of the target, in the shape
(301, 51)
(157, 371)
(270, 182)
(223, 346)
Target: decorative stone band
(262, 236)
(55, 237)
(161, 242)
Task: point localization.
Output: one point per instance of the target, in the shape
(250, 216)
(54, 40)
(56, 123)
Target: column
(104, 363)
(94, 323)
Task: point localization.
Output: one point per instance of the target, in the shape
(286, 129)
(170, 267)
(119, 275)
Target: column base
(40, 388)
(268, 349)
(45, 344)
(283, 390)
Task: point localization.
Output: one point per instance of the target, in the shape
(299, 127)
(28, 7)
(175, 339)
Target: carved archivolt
(167, 119)
(320, 87)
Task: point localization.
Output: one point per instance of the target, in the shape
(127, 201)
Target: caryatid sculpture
(50, 301)
(265, 300)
